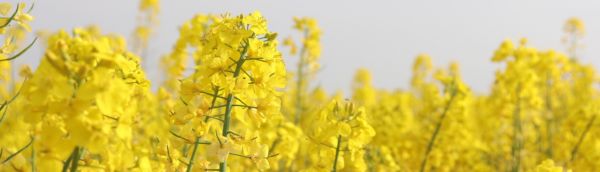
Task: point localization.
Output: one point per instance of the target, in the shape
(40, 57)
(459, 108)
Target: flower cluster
(337, 136)
(73, 115)
(232, 92)
(147, 20)
(14, 26)
(88, 106)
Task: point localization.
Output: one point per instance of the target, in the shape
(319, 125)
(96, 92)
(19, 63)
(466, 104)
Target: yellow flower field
(89, 106)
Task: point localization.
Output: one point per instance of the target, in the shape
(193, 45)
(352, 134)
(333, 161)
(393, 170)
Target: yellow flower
(22, 18)
(574, 25)
(220, 150)
(505, 50)
(112, 101)
(258, 154)
(290, 43)
(257, 23)
(5, 9)
(144, 164)
(548, 166)
(149, 5)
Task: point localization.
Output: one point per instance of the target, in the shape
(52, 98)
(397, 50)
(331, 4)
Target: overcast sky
(383, 36)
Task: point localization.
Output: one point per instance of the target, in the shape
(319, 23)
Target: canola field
(89, 106)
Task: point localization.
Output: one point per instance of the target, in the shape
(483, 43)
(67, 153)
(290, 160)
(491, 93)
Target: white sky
(383, 36)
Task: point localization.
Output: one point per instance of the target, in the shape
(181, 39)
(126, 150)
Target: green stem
(573, 51)
(581, 138)
(4, 105)
(300, 81)
(4, 113)
(68, 162)
(550, 119)
(299, 90)
(193, 157)
(517, 136)
(227, 120)
(11, 18)
(76, 157)
(223, 166)
(337, 153)
(437, 130)
(214, 100)
(20, 52)
(33, 157)
(229, 104)
(18, 151)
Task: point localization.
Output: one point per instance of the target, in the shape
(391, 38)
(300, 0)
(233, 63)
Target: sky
(382, 36)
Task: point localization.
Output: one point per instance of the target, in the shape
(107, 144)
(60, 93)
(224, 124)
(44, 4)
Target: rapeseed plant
(236, 107)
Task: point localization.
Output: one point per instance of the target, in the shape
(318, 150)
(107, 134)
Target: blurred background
(383, 36)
